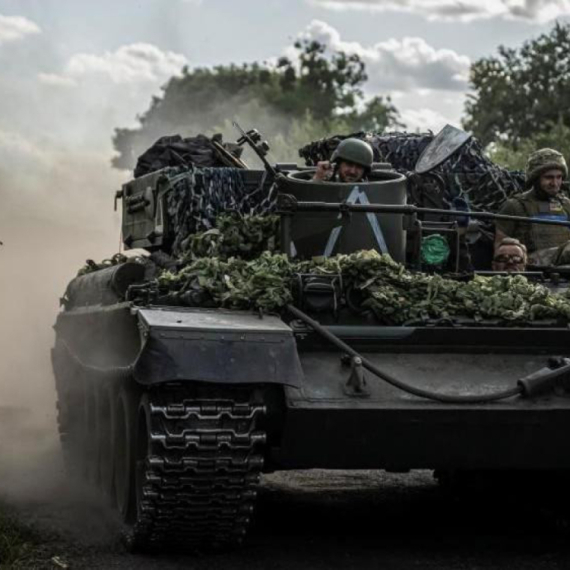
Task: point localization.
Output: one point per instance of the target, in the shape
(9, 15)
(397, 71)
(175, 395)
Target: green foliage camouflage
(223, 269)
(261, 284)
(398, 296)
(246, 237)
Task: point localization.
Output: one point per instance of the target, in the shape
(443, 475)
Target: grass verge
(17, 543)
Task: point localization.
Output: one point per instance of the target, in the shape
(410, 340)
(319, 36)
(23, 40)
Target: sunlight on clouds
(417, 76)
(423, 120)
(56, 80)
(398, 64)
(537, 11)
(14, 28)
(98, 92)
(135, 63)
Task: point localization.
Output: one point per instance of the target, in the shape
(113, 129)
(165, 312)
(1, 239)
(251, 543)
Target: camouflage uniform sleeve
(510, 208)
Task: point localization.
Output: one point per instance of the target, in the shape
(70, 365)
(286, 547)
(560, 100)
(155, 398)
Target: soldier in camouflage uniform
(545, 171)
(350, 162)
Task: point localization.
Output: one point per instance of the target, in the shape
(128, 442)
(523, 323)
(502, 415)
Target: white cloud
(432, 111)
(14, 28)
(538, 11)
(56, 80)
(427, 85)
(399, 64)
(99, 92)
(423, 120)
(130, 64)
(96, 93)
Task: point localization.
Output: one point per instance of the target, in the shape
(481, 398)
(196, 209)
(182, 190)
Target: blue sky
(72, 70)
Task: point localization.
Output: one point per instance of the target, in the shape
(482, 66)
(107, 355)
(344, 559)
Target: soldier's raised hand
(324, 170)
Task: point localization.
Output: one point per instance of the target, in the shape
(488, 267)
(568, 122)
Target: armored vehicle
(175, 410)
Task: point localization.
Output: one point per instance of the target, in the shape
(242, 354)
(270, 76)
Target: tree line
(519, 101)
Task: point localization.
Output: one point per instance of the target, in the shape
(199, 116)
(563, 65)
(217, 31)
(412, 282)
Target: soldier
(350, 162)
(545, 171)
(510, 255)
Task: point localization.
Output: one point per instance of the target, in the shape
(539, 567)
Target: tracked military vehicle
(176, 411)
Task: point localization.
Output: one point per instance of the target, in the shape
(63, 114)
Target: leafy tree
(378, 113)
(557, 137)
(323, 92)
(320, 85)
(521, 93)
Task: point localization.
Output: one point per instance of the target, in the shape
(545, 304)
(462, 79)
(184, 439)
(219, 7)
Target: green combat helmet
(354, 150)
(542, 160)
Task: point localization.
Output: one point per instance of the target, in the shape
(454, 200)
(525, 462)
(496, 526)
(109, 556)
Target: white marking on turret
(357, 196)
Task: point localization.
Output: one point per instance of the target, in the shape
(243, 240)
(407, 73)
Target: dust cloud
(56, 211)
(284, 133)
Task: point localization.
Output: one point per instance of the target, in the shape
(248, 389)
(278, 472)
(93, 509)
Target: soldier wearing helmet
(350, 162)
(545, 171)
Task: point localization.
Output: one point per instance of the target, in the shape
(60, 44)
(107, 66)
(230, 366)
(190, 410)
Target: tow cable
(535, 384)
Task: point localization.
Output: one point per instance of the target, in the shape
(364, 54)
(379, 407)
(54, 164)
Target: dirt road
(305, 520)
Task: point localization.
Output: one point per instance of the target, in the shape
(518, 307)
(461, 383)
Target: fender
(215, 345)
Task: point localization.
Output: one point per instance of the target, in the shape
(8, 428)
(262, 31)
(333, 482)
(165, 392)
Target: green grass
(16, 542)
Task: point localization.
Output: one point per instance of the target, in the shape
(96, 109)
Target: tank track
(200, 475)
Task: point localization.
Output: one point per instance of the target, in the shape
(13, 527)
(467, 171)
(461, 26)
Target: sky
(71, 71)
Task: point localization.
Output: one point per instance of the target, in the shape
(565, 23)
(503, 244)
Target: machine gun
(259, 146)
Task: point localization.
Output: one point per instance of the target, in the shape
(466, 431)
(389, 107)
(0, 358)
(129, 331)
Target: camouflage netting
(211, 274)
(468, 172)
(199, 196)
(198, 151)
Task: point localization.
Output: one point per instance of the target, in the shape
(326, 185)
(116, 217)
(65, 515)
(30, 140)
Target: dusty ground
(306, 520)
